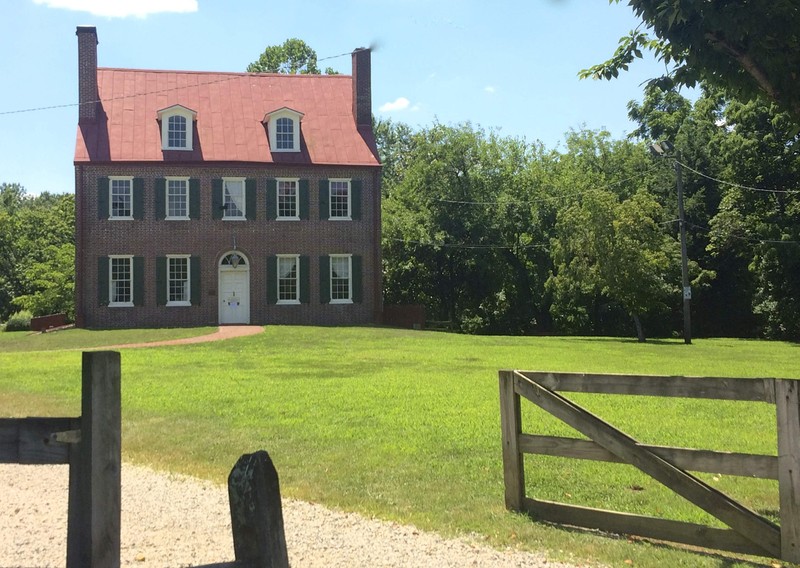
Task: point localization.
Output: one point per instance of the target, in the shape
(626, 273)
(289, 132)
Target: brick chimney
(362, 91)
(87, 73)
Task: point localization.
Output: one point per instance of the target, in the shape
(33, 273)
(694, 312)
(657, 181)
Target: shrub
(19, 321)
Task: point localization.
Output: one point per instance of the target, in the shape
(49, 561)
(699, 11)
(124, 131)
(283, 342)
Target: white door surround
(234, 288)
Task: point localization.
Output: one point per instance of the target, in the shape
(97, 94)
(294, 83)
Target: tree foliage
(37, 252)
(292, 57)
(748, 48)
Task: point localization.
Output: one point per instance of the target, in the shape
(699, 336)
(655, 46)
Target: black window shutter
(250, 199)
(194, 280)
(102, 198)
(324, 199)
(161, 198)
(305, 280)
(216, 199)
(272, 279)
(138, 281)
(194, 198)
(161, 281)
(357, 292)
(303, 199)
(272, 199)
(355, 199)
(138, 198)
(102, 280)
(325, 279)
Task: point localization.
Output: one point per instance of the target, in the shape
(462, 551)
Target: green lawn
(87, 338)
(404, 425)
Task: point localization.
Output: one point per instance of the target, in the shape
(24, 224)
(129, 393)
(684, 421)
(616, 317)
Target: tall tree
(750, 48)
(37, 251)
(614, 250)
(292, 57)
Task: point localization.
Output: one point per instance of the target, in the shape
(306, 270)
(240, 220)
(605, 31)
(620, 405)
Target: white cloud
(489, 89)
(122, 8)
(401, 103)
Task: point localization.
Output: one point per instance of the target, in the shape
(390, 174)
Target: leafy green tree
(37, 251)
(615, 251)
(292, 57)
(748, 48)
(759, 215)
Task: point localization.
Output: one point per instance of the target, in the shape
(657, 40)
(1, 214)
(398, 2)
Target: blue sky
(506, 65)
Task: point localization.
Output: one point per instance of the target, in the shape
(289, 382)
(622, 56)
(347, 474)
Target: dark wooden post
(259, 540)
(93, 524)
(511, 427)
(787, 410)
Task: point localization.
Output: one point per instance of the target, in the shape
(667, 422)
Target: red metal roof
(230, 108)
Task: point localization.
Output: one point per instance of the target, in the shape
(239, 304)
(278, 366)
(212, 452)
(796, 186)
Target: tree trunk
(639, 330)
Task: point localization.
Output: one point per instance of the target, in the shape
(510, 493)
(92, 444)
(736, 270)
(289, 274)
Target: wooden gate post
(787, 410)
(93, 524)
(511, 427)
(259, 540)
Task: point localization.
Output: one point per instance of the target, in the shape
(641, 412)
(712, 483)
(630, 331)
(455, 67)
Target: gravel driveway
(171, 521)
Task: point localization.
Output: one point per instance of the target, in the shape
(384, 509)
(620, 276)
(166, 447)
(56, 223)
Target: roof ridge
(234, 73)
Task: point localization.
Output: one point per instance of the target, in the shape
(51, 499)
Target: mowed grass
(87, 338)
(405, 425)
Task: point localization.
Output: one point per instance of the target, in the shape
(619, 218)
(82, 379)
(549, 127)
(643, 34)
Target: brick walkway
(224, 332)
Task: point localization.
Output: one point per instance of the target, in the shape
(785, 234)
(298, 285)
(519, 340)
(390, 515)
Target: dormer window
(283, 126)
(177, 127)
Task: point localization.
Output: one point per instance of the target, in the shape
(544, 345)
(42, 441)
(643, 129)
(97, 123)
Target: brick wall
(210, 239)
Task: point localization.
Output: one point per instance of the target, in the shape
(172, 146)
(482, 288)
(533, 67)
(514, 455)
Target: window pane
(284, 133)
(287, 199)
(287, 278)
(176, 133)
(178, 280)
(121, 280)
(177, 198)
(121, 198)
(340, 278)
(340, 201)
(234, 199)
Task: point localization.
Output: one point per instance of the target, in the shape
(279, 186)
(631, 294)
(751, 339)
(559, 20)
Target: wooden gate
(749, 532)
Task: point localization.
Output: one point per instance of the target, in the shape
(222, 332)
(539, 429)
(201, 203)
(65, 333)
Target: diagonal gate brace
(741, 519)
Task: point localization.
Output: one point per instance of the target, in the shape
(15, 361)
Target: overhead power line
(732, 184)
(467, 246)
(231, 76)
(758, 240)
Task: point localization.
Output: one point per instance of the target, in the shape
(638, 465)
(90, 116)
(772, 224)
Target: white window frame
(111, 281)
(296, 299)
(111, 180)
(296, 216)
(349, 216)
(177, 110)
(243, 208)
(271, 120)
(185, 181)
(188, 290)
(349, 299)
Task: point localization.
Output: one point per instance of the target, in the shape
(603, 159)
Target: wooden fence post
(93, 524)
(259, 540)
(511, 427)
(787, 410)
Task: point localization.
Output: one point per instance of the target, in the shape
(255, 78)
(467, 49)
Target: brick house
(225, 198)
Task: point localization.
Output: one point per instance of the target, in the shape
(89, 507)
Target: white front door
(234, 295)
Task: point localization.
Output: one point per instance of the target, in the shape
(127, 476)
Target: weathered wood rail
(749, 532)
(90, 445)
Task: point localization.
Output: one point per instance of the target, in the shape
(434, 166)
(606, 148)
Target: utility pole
(687, 289)
(661, 149)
